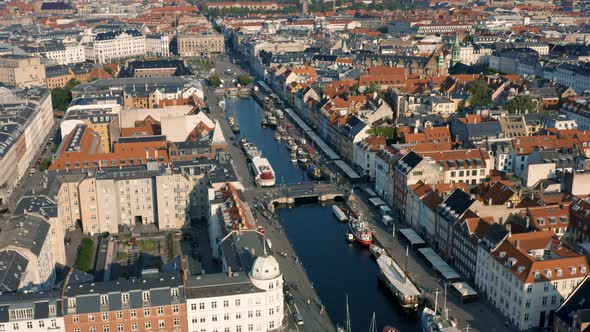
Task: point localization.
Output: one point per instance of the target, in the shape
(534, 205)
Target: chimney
(490, 201)
(156, 154)
(517, 244)
(229, 273)
(147, 154)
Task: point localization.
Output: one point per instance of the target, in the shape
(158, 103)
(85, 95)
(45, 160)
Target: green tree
(214, 80)
(244, 79)
(479, 93)
(521, 104)
(44, 165)
(85, 254)
(61, 97)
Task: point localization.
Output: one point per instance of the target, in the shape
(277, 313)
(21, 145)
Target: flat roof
(347, 170)
(439, 264)
(464, 289)
(414, 238)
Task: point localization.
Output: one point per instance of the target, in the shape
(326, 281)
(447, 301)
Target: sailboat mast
(373, 327)
(348, 325)
(436, 301)
(406, 268)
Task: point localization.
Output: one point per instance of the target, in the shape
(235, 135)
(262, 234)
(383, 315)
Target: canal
(335, 267)
(249, 115)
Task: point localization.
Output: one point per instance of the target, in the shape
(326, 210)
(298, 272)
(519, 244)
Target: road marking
(291, 316)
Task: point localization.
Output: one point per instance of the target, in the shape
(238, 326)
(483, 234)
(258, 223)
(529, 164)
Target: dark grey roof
(56, 6)
(24, 231)
(578, 301)
(219, 284)
(114, 34)
(38, 301)
(159, 286)
(455, 205)
(240, 249)
(38, 204)
(180, 68)
(408, 162)
(12, 267)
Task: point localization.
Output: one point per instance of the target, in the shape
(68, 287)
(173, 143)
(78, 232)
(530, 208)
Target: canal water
(249, 115)
(335, 267)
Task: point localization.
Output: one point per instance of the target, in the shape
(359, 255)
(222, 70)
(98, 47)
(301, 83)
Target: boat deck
(396, 276)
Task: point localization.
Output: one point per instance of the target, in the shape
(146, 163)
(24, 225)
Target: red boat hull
(357, 238)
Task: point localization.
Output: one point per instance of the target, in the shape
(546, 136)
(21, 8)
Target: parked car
(298, 318)
(289, 299)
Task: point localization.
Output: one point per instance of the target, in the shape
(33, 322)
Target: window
(250, 314)
(133, 313)
(71, 302)
(160, 310)
(553, 299)
(52, 309)
(91, 317)
(161, 323)
(193, 306)
(226, 316)
(214, 318)
(125, 297)
(237, 302)
(176, 321)
(225, 303)
(134, 326)
(271, 325)
(148, 324)
(202, 305)
(104, 300)
(41, 324)
(257, 313)
(175, 309)
(238, 328)
(105, 316)
(106, 328)
(174, 292)
(526, 317)
(76, 319)
(29, 325)
(15, 326)
(120, 327)
(250, 327)
(544, 300)
(92, 329)
(238, 315)
(146, 312)
(213, 305)
(76, 329)
(146, 296)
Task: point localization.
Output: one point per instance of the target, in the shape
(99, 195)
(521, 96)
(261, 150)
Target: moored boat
(278, 136)
(293, 157)
(361, 232)
(376, 251)
(264, 122)
(313, 171)
(341, 216)
(430, 322)
(406, 294)
(272, 122)
(263, 172)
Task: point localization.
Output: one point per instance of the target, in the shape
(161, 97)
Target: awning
(439, 264)
(464, 289)
(414, 238)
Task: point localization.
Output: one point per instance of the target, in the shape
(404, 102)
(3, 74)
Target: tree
(479, 93)
(214, 80)
(61, 97)
(244, 79)
(521, 104)
(44, 165)
(85, 254)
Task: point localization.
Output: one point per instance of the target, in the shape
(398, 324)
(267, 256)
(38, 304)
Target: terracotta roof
(549, 217)
(539, 257)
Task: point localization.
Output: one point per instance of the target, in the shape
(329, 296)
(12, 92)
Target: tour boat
(252, 151)
(263, 172)
(362, 234)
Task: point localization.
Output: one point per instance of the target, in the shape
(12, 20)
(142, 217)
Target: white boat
(221, 103)
(435, 323)
(278, 136)
(407, 295)
(302, 141)
(293, 157)
(264, 175)
(338, 213)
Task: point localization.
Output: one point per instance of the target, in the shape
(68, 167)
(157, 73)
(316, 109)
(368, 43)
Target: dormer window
(558, 272)
(520, 269)
(537, 275)
(548, 273)
(582, 269)
(541, 221)
(573, 270)
(502, 254)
